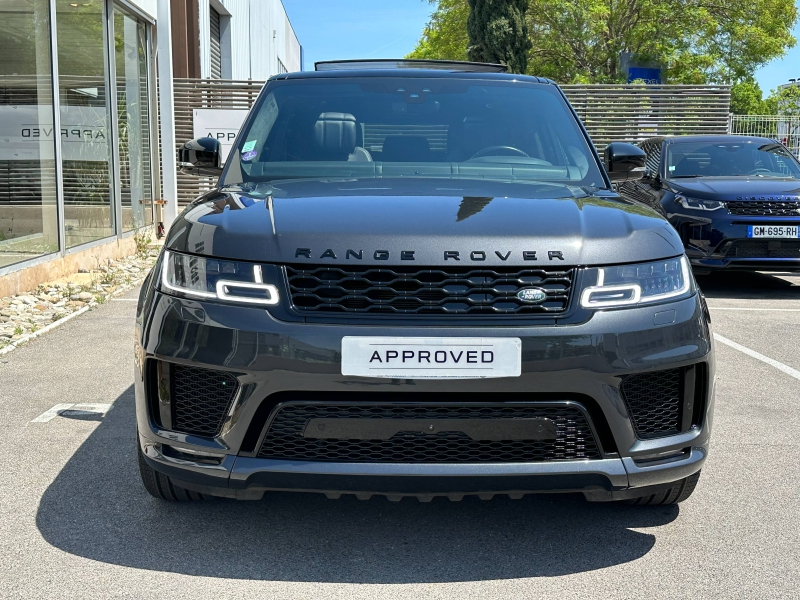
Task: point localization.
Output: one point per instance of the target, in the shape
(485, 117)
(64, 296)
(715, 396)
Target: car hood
(736, 188)
(385, 222)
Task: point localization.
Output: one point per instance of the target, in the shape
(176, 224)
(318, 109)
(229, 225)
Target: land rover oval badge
(532, 295)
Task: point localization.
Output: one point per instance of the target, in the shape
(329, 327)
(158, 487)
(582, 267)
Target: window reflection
(133, 120)
(28, 219)
(85, 136)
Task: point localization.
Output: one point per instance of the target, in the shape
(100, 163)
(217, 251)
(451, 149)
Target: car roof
(415, 73)
(717, 138)
(409, 63)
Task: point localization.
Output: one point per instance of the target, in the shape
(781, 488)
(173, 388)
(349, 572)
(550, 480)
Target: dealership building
(86, 106)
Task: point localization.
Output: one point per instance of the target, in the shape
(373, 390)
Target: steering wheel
(499, 151)
(759, 170)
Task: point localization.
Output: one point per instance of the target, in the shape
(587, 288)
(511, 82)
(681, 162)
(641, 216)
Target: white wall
(255, 35)
(205, 51)
(238, 40)
(150, 7)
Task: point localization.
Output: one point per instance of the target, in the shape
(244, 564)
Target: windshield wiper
(685, 176)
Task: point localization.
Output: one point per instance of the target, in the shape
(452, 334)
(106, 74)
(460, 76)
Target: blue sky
(779, 71)
(331, 29)
(340, 29)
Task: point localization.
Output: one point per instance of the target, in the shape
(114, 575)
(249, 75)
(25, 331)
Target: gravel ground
(27, 313)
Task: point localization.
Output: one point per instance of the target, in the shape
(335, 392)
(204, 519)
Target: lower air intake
(200, 399)
(763, 249)
(285, 440)
(654, 402)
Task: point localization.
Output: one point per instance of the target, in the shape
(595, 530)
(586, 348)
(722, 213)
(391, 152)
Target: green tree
(785, 101)
(787, 104)
(445, 34)
(498, 33)
(747, 99)
(696, 41)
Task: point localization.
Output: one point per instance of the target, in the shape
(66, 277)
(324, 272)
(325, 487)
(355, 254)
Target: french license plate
(431, 358)
(772, 231)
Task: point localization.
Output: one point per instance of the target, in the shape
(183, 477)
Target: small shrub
(142, 238)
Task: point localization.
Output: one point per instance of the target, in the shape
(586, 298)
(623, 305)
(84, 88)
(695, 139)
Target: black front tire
(676, 493)
(162, 487)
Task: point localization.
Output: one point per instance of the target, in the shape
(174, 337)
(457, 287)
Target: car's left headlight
(215, 279)
(643, 283)
(697, 204)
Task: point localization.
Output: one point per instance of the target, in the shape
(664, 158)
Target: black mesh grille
(753, 208)
(654, 402)
(420, 291)
(200, 399)
(285, 439)
(763, 249)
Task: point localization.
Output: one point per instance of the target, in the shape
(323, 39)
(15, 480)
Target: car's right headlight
(697, 204)
(638, 284)
(215, 279)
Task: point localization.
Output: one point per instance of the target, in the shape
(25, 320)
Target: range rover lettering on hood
(474, 255)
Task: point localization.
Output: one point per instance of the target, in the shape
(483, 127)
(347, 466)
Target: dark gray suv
(416, 280)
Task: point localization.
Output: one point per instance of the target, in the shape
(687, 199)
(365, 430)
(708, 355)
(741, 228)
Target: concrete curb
(80, 311)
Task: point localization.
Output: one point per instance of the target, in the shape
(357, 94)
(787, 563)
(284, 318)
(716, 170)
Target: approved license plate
(772, 231)
(431, 358)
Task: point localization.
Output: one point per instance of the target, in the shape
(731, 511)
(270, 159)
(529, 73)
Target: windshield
(412, 127)
(730, 159)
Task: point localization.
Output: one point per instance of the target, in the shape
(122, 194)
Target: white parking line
(757, 309)
(758, 356)
(71, 410)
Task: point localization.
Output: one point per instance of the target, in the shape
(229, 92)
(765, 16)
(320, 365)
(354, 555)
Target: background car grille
(654, 402)
(754, 208)
(284, 439)
(200, 399)
(420, 291)
(763, 249)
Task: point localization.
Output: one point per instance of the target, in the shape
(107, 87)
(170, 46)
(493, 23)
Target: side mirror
(624, 162)
(201, 157)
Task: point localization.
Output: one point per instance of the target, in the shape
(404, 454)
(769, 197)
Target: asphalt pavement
(75, 521)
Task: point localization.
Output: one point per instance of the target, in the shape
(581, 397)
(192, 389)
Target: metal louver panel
(216, 51)
(205, 93)
(632, 112)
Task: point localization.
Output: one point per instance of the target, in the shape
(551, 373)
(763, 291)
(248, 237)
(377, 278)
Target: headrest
(406, 148)
(335, 133)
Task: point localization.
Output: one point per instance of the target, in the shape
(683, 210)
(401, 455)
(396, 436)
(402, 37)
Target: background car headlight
(198, 277)
(644, 283)
(697, 204)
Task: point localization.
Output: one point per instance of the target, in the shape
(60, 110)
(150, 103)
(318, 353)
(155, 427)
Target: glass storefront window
(133, 121)
(28, 208)
(97, 80)
(85, 135)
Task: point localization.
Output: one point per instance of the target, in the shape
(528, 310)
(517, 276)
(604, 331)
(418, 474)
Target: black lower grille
(430, 290)
(763, 249)
(654, 402)
(284, 438)
(754, 208)
(200, 399)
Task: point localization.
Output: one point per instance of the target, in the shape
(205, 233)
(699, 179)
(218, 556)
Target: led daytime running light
(225, 288)
(636, 297)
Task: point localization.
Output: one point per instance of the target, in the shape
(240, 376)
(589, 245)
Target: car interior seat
(335, 136)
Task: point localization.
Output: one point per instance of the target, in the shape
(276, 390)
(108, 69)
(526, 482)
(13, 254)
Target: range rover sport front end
(419, 282)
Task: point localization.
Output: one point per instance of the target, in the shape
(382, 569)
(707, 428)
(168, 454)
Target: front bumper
(273, 358)
(715, 242)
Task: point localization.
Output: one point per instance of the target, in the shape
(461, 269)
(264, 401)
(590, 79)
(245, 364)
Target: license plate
(772, 231)
(431, 358)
